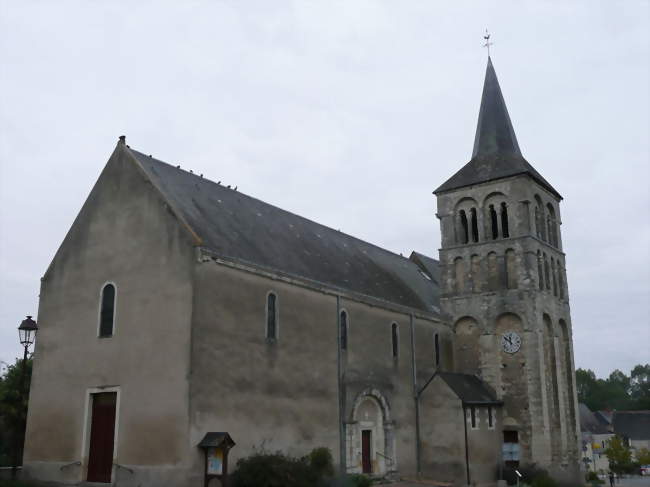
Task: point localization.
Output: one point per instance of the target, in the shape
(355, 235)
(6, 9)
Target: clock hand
(508, 339)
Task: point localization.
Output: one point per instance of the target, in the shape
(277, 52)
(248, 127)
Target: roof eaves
(445, 188)
(321, 286)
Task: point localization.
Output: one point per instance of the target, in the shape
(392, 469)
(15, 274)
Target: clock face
(511, 342)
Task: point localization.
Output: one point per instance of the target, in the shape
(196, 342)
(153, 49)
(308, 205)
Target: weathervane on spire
(487, 41)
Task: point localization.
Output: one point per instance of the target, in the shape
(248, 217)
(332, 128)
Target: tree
(640, 386)
(619, 456)
(643, 456)
(13, 409)
(585, 382)
(618, 391)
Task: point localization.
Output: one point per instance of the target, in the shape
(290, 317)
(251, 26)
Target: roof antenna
(487, 41)
(235, 188)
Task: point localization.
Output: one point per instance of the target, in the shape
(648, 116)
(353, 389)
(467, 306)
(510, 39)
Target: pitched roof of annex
(469, 388)
(589, 422)
(236, 226)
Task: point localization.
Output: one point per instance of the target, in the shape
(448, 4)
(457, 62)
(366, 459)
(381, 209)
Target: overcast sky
(348, 113)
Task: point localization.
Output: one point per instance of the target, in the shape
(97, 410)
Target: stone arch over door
(371, 418)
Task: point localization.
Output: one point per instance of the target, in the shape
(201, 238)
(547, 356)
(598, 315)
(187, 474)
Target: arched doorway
(370, 437)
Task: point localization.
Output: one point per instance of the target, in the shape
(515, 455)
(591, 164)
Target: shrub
(265, 469)
(273, 470)
(359, 480)
(591, 476)
(321, 462)
(543, 480)
(531, 475)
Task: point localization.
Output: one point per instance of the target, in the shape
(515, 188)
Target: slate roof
(589, 422)
(469, 388)
(244, 229)
(496, 153)
(634, 425)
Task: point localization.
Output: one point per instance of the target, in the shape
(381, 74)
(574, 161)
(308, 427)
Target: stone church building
(176, 306)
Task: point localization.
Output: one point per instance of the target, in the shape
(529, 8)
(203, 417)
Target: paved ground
(633, 482)
(627, 482)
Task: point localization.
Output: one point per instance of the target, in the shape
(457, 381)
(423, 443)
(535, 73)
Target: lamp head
(27, 331)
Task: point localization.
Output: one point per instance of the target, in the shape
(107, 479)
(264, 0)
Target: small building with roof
(633, 427)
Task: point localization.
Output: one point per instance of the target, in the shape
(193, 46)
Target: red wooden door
(102, 435)
(365, 451)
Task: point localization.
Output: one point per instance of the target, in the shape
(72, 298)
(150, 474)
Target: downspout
(466, 444)
(416, 398)
(339, 367)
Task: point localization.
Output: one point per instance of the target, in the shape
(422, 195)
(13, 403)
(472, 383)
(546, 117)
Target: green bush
(321, 462)
(273, 470)
(543, 480)
(531, 475)
(592, 477)
(278, 470)
(15, 483)
(351, 480)
(357, 480)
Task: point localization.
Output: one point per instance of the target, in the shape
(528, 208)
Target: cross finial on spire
(487, 41)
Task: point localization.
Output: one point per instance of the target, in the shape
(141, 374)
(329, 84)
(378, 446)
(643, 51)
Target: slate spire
(494, 132)
(496, 153)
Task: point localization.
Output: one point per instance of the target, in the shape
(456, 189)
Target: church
(176, 307)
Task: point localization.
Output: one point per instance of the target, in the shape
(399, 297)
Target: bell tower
(504, 290)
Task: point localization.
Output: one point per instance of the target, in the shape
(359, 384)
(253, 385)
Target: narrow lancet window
(271, 317)
(540, 270)
(494, 223)
(464, 228)
(395, 339)
(505, 233)
(472, 213)
(107, 312)
(344, 330)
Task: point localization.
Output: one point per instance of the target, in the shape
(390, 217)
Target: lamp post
(27, 333)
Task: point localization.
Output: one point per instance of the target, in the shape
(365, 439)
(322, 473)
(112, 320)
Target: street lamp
(27, 333)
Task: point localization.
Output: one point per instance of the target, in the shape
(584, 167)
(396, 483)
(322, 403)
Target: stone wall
(125, 235)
